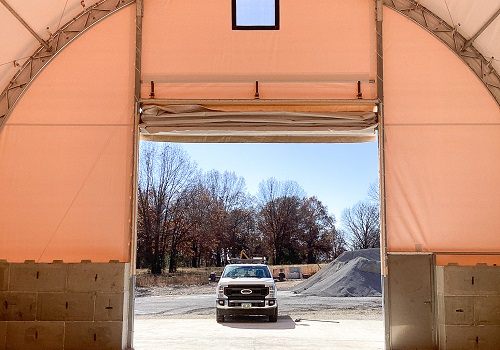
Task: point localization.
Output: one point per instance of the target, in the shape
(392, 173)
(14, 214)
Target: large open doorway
(325, 171)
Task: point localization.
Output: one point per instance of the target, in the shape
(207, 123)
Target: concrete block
(3, 334)
(466, 338)
(487, 310)
(109, 307)
(460, 338)
(488, 337)
(459, 310)
(98, 277)
(458, 280)
(93, 335)
(472, 280)
(35, 335)
(66, 306)
(4, 275)
(17, 306)
(37, 277)
(487, 280)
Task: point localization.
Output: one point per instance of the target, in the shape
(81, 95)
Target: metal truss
(449, 35)
(55, 44)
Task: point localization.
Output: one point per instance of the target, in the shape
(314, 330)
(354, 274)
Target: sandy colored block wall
(63, 305)
(468, 307)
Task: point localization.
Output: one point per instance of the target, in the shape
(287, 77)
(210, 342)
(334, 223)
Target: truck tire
(274, 317)
(219, 317)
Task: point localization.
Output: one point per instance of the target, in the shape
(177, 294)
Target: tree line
(187, 217)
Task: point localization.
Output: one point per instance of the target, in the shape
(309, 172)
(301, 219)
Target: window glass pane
(255, 13)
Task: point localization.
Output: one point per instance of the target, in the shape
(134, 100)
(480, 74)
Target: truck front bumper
(264, 307)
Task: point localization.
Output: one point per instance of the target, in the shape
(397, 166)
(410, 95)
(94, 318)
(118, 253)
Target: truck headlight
(272, 291)
(220, 292)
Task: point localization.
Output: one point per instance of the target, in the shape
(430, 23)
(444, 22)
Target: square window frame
(276, 25)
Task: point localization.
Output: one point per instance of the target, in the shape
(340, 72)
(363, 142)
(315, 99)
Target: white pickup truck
(246, 288)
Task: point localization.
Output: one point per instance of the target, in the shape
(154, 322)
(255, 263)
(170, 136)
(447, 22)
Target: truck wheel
(219, 317)
(274, 318)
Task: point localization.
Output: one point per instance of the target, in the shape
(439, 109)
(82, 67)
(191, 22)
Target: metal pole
(381, 138)
(133, 233)
(23, 22)
(478, 33)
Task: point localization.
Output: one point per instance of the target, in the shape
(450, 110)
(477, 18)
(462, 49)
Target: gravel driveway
(199, 302)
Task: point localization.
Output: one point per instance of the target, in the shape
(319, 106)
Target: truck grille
(254, 304)
(246, 292)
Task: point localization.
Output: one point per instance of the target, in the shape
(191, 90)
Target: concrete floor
(244, 333)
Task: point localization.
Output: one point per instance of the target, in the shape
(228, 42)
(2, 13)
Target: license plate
(246, 305)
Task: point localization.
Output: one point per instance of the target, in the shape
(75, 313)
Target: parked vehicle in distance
(246, 287)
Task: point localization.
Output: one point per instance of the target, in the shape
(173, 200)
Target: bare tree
(339, 244)
(164, 172)
(228, 193)
(373, 192)
(279, 205)
(317, 228)
(362, 225)
(189, 220)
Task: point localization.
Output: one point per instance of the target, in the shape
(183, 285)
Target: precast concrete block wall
(468, 307)
(63, 305)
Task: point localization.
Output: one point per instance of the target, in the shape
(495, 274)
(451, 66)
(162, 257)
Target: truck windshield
(246, 271)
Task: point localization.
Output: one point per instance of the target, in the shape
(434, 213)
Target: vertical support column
(133, 234)
(381, 150)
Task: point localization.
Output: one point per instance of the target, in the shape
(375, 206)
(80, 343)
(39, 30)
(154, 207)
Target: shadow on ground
(258, 322)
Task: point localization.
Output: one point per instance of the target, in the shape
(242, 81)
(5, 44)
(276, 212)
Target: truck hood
(245, 280)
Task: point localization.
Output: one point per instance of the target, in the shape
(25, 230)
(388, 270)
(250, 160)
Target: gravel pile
(352, 274)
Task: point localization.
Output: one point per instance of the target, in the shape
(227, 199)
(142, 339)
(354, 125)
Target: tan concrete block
(109, 307)
(488, 337)
(472, 337)
(487, 310)
(66, 306)
(459, 310)
(458, 280)
(42, 277)
(3, 334)
(17, 306)
(99, 277)
(4, 275)
(93, 335)
(35, 335)
(472, 280)
(460, 338)
(487, 280)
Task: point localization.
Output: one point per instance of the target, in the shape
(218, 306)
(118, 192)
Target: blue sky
(338, 174)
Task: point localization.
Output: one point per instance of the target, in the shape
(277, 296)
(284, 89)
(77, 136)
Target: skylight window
(255, 14)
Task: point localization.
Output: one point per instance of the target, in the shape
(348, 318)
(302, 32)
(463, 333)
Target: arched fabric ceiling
(36, 26)
(20, 60)
(458, 43)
